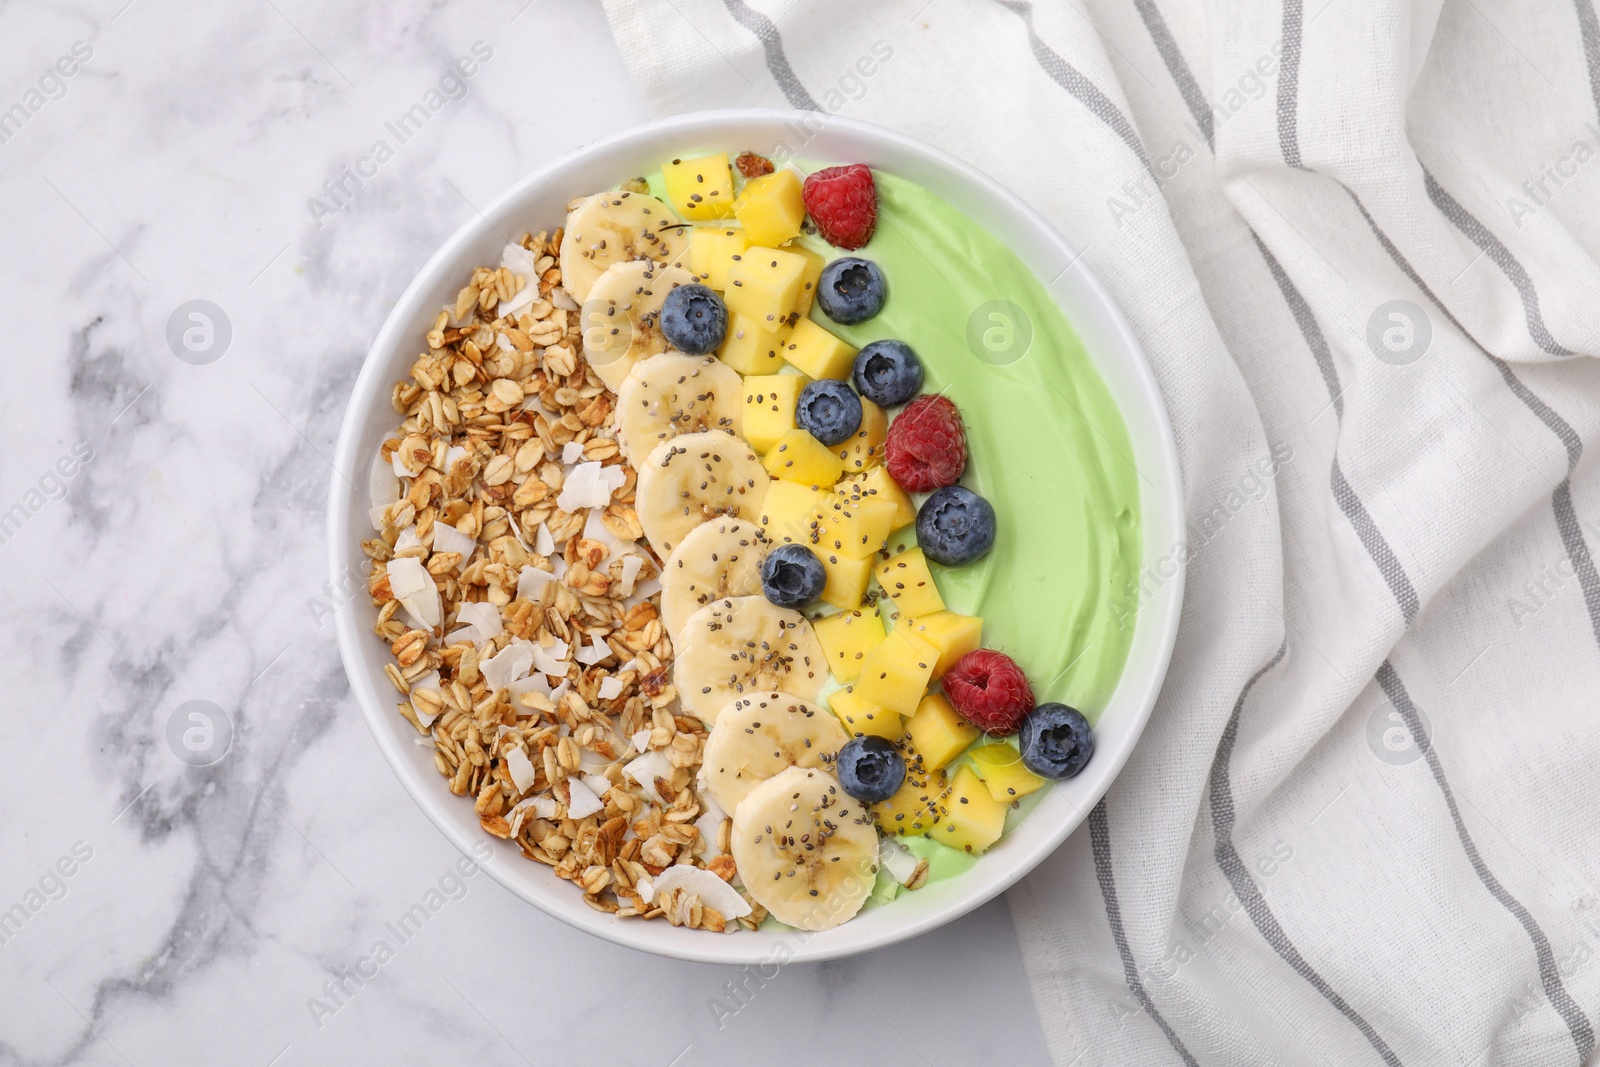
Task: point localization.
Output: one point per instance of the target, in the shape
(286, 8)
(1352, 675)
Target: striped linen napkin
(1358, 242)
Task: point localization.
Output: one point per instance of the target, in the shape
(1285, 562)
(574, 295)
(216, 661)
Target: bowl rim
(1162, 610)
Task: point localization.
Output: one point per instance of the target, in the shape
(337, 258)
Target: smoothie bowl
(757, 521)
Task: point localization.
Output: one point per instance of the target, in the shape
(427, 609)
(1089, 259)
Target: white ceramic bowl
(539, 202)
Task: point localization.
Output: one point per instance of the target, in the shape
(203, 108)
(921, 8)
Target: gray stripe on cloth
(1549, 972)
(1073, 81)
(1244, 886)
(1589, 28)
(1377, 546)
(1566, 516)
(1100, 844)
(1289, 84)
(766, 32)
(1171, 55)
(1479, 235)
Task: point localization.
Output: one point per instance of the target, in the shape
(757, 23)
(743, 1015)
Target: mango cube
(712, 252)
(793, 512)
(907, 580)
(769, 401)
(847, 579)
(1002, 772)
(763, 284)
(895, 674)
(938, 731)
(700, 188)
(799, 457)
(876, 482)
(808, 280)
(951, 634)
(864, 449)
(918, 806)
(817, 353)
(972, 818)
(856, 527)
(846, 638)
(862, 717)
(770, 209)
(749, 349)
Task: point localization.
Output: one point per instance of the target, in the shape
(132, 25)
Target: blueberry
(829, 411)
(1055, 741)
(792, 576)
(694, 319)
(955, 526)
(870, 769)
(851, 290)
(888, 373)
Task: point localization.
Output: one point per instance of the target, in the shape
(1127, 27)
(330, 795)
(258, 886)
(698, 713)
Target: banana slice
(743, 645)
(757, 736)
(620, 318)
(717, 559)
(805, 849)
(693, 478)
(610, 228)
(672, 393)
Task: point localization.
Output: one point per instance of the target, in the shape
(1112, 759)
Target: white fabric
(1417, 547)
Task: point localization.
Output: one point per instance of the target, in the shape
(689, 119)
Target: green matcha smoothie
(1047, 445)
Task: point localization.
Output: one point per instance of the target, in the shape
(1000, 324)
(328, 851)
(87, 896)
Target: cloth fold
(1358, 243)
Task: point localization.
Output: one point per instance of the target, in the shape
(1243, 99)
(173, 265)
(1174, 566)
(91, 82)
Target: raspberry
(926, 448)
(990, 690)
(843, 202)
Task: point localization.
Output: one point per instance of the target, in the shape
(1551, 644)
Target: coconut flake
(571, 452)
(585, 487)
(595, 651)
(641, 740)
(531, 581)
(543, 543)
(447, 538)
(545, 807)
(712, 891)
(582, 802)
(383, 485)
(518, 812)
(432, 681)
(710, 825)
(552, 660)
(521, 768)
(396, 466)
(563, 299)
(483, 615)
(413, 586)
(646, 769)
(897, 860)
(509, 664)
(518, 260)
(610, 687)
(598, 783)
(644, 591)
(560, 691)
(407, 540)
(632, 564)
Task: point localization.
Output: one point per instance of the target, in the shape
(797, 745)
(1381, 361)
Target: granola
(523, 611)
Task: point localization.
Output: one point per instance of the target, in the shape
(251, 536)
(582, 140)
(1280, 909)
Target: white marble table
(163, 542)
